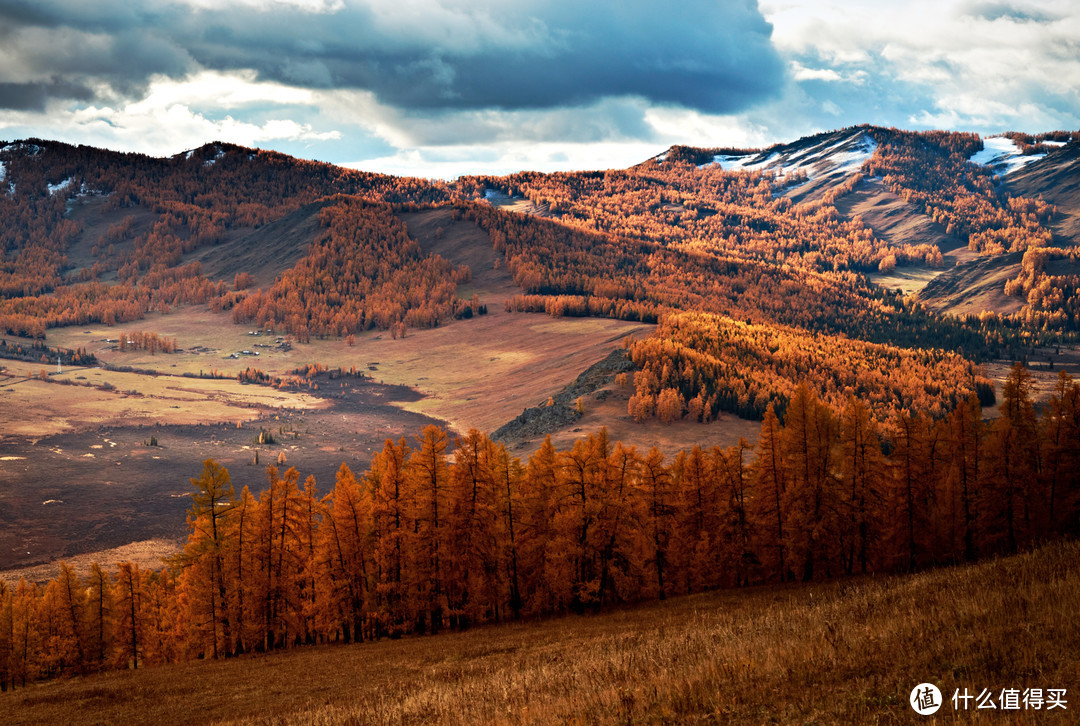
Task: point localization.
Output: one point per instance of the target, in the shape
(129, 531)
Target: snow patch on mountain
(828, 157)
(54, 188)
(742, 162)
(1001, 154)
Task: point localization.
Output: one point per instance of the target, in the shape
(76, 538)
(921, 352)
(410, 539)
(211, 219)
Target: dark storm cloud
(424, 57)
(33, 96)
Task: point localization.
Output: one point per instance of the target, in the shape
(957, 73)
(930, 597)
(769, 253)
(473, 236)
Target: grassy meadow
(848, 651)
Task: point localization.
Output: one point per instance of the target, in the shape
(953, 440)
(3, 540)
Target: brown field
(75, 471)
(1044, 365)
(471, 373)
(837, 653)
(103, 486)
(32, 408)
(78, 477)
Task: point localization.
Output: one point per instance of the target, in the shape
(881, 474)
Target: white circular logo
(925, 699)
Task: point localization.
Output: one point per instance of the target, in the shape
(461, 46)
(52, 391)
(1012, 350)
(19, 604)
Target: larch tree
(348, 551)
(737, 558)
(546, 579)
(768, 502)
(393, 523)
(697, 490)
(100, 614)
(509, 482)
(616, 525)
(1015, 465)
(472, 522)
(658, 498)
(204, 557)
(811, 494)
(966, 471)
(862, 476)
(428, 480)
(1061, 452)
(129, 612)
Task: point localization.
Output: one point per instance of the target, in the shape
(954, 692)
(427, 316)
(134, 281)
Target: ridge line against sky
(440, 88)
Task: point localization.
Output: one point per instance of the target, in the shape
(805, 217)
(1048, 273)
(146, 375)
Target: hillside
(844, 652)
(489, 296)
(847, 169)
(1056, 178)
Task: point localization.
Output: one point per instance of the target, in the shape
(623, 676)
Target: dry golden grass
(32, 408)
(843, 652)
(148, 554)
(474, 373)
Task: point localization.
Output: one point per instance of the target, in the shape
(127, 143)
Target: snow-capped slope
(826, 155)
(1001, 154)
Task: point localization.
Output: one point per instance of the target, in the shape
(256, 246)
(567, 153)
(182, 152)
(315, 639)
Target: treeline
(682, 202)
(425, 540)
(1036, 143)
(362, 272)
(96, 302)
(301, 377)
(698, 365)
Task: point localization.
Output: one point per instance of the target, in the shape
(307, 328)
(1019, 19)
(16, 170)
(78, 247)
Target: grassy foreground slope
(849, 651)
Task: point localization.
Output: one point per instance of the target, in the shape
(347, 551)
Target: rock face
(543, 419)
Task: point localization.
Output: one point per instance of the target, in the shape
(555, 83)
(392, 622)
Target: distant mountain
(1044, 166)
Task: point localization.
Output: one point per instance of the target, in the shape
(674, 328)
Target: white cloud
(309, 6)
(165, 122)
(801, 73)
(682, 126)
(953, 63)
(231, 90)
(449, 162)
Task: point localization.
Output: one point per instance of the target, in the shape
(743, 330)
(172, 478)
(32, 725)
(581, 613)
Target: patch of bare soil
(955, 287)
(975, 286)
(520, 205)
(1056, 179)
(463, 242)
(92, 213)
(1044, 364)
(147, 554)
(102, 488)
(265, 252)
(895, 220)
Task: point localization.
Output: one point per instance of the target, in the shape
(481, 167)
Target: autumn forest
(894, 433)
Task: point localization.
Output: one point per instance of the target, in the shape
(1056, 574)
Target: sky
(440, 88)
